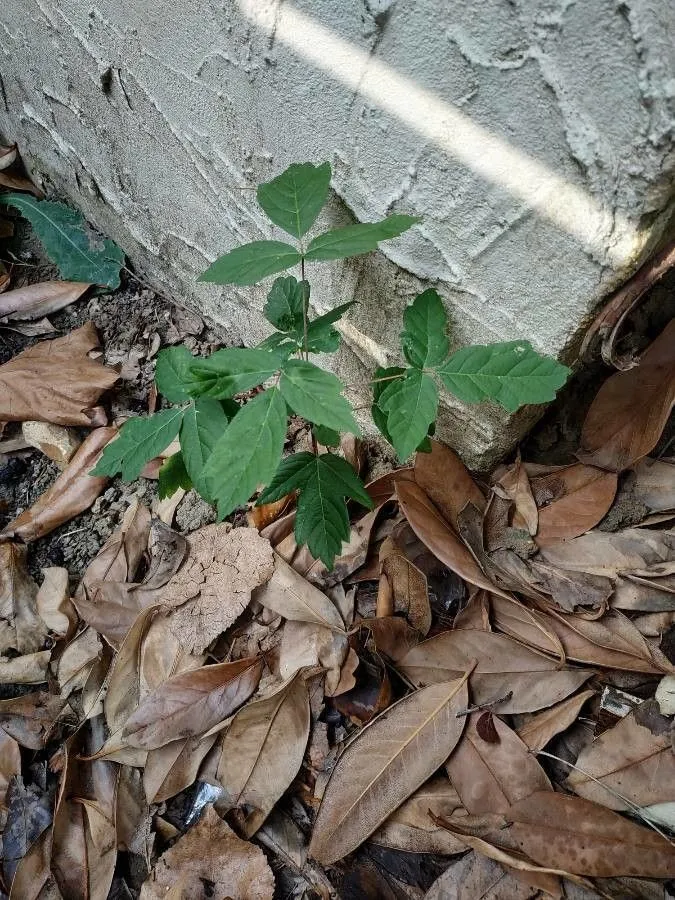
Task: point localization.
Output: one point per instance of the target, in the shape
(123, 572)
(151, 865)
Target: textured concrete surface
(533, 136)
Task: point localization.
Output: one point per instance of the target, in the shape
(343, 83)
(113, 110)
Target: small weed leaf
(353, 240)
(316, 395)
(231, 371)
(172, 373)
(286, 303)
(204, 422)
(139, 441)
(295, 198)
(423, 338)
(172, 476)
(251, 263)
(410, 405)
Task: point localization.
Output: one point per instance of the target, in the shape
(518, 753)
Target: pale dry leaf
(33, 301)
(76, 661)
(28, 815)
(174, 767)
(544, 726)
(31, 718)
(654, 484)
(10, 763)
(211, 852)
(391, 635)
(8, 156)
(226, 565)
(31, 668)
(290, 595)
(475, 876)
(447, 482)
(54, 605)
(33, 878)
(630, 551)
(347, 680)
(665, 695)
(262, 751)
(119, 558)
(386, 763)
(21, 628)
(57, 442)
(304, 645)
(514, 485)
(408, 586)
(56, 381)
(132, 814)
(73, 491)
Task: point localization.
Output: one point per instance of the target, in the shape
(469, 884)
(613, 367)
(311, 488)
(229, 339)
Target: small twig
(480, 706)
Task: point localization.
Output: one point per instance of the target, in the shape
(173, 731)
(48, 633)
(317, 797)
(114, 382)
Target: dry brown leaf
(174, 767)
(490, 777)
(73, 491)
(539, 730)
(304, 645)
(386, 763)
(383, 488)
(565, 834)
(132, 819)
(411, 829)
(34, 872)
(211, 852)
(631, 551)
(76, 661)
(190, 704)
(370, 695)
(28, 669)
(514, 485)
(262, 751)
(21, 628)
(408, 586)
(290, 595)
(475, 877)
(263, 515)
(631, 408)
(504, 666)
(10, 763)
(54, 605)
(30, 719)
(119, 558)
(57, 442)
(631, 761)
(392, 636)
(213, 586)
(16, 182)
(572, 501)
(447, 482)
(432, 529)
(33, 301)
(56, 381)
(654, 484)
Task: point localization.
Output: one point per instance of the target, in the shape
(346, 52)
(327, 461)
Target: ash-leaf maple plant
(230, 410)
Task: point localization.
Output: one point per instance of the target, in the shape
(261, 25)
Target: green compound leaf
(379, 384)
(204, 423)
(326, 436)
(231, 371)
(172, 476)
(410, 405)
(316, 395)
(286, 302)
(172, 373)
(294, 199)
(321, 519)
(423, 338)
(251, 262)
(248, 453)
(139, 441)
(79, 253)
(356, 239)
(321, 336)
(511, 373)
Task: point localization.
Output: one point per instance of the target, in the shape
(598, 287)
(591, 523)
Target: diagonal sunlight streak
(494, 159)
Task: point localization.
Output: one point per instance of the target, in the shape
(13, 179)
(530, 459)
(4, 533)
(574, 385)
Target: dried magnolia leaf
(539, 730)
(572, 501)
(211, 852)
(290, 595)
(383, 488)
(633, 550)
(190, 704)
(21, 628)
(654, 484)
(262, 751)
(55, 381)
(73, 491)
(504, 667)
(76, 661)
(386, 762)
(447, 482)
(33, 301)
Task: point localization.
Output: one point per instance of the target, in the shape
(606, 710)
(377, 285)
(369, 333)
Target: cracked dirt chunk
(213, 586)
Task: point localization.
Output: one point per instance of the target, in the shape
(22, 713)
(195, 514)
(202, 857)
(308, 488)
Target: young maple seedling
(229, 446)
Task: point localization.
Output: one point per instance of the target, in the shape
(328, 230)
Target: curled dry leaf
(572, 501)
(28, 669)
(262, 751)
(213, 586)
(304, 645)
(392, 636)
(174, 767)
(490, 777)
(503, 666)
(21, 628)
(8, 156)
(30, 719)
(211, 852)
(514, 485)
(56, 441)
(447, 482)
(53, 601)
(33, 301)
(290, 595)
(383, 488)
(56, 381)
(190, 704)
(654, 484)
(627, 760)
(119, 558)
(408, 586)
(630, 411)
(370, 695)
(386, 762)
(539, 730)
(73, 491)
(10, 763)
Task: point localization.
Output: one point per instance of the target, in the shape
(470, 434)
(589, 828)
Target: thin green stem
(305, 323)
(355, 385)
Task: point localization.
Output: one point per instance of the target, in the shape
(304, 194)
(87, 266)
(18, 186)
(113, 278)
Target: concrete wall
(533, 136)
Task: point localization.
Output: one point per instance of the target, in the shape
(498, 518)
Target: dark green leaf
(139, 441)
(423, 338)
(172, 373)
(410, 405)
(356, 239)
(172, 476)
(248, 453)
(287, 300)
(294, 199)
(78, 252)
(316, 395)
(382, 378)
(251, 262)
(280, 344)
(326, 436)
(321, 520)
(511, 373)
(231, 371)
(204, 423)
(321, 336)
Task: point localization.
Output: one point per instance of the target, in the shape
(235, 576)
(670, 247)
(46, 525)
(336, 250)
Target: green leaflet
(321, 519)
(423, 338)
(79, 253)
(356, 239)
(248, 452)
(294, 199)
(172, 476)
(379, 384)
(287, 300)
(328, 437)
(172, 373)
(250, 263)
(321, 336)
(410, 405)
(316, 395)
(231, 371)
(511, 373)
(139, 441)
(204, 423)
